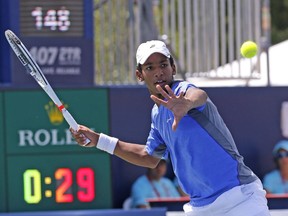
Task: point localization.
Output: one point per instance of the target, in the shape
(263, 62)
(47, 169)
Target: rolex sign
(34, 123)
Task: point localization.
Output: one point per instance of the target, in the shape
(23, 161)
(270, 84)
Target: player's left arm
(182, 103)
(196, 97)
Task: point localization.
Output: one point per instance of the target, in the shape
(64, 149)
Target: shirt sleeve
(155, 145)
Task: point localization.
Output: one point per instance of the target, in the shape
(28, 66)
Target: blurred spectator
(152, 185)
(276, 181)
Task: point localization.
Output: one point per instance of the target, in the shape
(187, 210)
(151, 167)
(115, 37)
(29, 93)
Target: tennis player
(187, 126)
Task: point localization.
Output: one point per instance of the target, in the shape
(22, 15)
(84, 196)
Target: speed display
(51, 18)
(59, 34)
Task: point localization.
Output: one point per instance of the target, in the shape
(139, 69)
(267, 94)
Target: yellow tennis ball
(249, 49)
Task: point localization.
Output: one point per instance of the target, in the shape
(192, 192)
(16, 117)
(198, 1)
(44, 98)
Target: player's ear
(139, 76)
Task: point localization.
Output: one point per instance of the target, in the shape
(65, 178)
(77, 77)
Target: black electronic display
(51, 18)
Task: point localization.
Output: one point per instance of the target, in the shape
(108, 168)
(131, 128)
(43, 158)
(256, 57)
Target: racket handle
(72, 123)
(70, 120)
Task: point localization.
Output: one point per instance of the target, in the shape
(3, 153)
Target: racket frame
(34, 70)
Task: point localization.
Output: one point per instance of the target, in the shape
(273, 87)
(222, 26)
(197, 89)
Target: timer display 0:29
(51, 181)
(85, 179)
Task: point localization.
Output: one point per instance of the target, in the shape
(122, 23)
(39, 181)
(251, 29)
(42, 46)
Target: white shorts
(248, 200)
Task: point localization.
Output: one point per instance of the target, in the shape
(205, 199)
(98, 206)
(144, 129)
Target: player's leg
(254, 201)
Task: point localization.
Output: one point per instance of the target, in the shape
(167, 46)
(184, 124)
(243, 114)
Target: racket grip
(72, 123)
(70, 120)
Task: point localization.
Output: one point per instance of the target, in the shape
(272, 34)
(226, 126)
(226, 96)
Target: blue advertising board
(64, 62)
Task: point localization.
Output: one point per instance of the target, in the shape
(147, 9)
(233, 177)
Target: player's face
(157, 70)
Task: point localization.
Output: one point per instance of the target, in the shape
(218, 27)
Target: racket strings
(14, 46)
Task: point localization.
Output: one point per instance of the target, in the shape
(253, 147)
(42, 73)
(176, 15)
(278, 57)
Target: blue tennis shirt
(202, 150)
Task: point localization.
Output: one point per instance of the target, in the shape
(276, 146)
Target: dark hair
(161, 162)
(171, 60)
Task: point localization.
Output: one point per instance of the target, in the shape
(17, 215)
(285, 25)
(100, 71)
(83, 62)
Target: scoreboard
(51, 18)
(59, 36)
(58, 182)
(41, 167)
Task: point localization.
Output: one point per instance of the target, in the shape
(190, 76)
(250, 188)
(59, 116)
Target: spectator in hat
(276, 181)
(153, 184)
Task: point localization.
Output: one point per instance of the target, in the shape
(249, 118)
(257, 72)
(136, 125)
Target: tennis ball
(249, 49)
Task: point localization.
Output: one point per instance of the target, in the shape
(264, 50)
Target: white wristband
(107, 143)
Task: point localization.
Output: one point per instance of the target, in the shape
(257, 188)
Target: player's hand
(82, 134)
(179, 105)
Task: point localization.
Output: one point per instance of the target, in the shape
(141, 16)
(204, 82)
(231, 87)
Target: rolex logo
(55, 116)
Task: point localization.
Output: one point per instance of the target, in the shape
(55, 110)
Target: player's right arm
(130, 152)
(135, 154)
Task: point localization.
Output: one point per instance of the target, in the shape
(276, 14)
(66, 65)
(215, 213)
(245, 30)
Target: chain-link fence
(204, 36)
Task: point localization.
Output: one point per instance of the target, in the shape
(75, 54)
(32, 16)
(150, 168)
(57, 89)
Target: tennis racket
(34, 70)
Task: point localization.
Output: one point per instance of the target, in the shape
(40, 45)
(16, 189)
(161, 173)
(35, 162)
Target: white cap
(148, 48)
